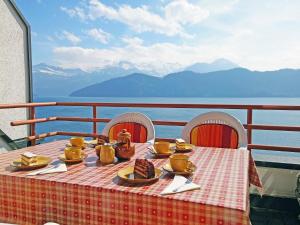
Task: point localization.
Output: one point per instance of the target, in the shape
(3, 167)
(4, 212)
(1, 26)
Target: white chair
(134, 118)
(216, 118)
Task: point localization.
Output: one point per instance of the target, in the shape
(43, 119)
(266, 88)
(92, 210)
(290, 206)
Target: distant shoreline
(159, 97)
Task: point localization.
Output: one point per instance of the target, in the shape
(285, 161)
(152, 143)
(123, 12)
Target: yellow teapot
(107, 154)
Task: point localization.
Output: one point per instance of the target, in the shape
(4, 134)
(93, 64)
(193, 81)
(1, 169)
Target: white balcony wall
(14, 69)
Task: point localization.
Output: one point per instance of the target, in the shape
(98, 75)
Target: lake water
(259, 117)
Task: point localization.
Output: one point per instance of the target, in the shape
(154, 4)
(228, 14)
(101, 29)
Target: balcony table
(89, 193)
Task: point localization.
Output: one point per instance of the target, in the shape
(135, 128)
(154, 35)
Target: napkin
(179, 184)
(61, 167)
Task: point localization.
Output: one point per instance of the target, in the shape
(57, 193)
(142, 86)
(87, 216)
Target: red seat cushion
(214, 135)
(138, 131)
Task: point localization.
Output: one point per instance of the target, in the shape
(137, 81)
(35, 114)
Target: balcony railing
(249, 126)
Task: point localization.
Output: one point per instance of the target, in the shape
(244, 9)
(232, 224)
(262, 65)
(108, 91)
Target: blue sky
(164, 35)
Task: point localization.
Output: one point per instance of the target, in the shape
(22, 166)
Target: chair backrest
(215, 129)
(139, 125)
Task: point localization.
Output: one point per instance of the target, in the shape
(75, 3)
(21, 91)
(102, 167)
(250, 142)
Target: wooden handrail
(152, 105)
(32, 121)
(190, 106)
(27, 105)
(273, 127)
(80, 119)
(274, 148)
(39, 136)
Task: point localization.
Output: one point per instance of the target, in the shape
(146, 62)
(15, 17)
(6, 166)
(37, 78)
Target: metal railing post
(94, 122)
(249, 128)
(32, 126)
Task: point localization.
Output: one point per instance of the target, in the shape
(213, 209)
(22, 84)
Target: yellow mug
(77, 141)
(72, 153)
(162, 147)
(179, 162)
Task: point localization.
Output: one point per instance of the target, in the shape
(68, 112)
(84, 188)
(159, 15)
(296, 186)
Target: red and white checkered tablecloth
(89, 193)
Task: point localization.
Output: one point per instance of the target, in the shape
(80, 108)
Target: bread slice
(28, 158)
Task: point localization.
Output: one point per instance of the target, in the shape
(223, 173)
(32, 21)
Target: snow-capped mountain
(217, 65)
(46, 69)
(49, 80)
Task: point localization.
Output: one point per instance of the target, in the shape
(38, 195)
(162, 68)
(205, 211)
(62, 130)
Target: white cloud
(218, 6)
(132, 41)
(185, 13)
(163, 57)
(254, 34)
(77, 11)
(70, 37)
(246, 48)
(99, 35)
(98, 10)
(141, 19)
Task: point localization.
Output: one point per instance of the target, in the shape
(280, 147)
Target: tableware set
(74, 153)
(127, 174)
(187, 148)
(124, 149)
(163, 148)
(157, 154)
(107, 154)
(179, 163)
(72, 159)
(41, 161)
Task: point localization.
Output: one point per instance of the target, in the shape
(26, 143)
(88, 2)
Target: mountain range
(238, 82)
(49, 80)
(217, 65)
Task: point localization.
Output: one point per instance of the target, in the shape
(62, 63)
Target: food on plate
(143, 169)
(180, 144)
(28, 158)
